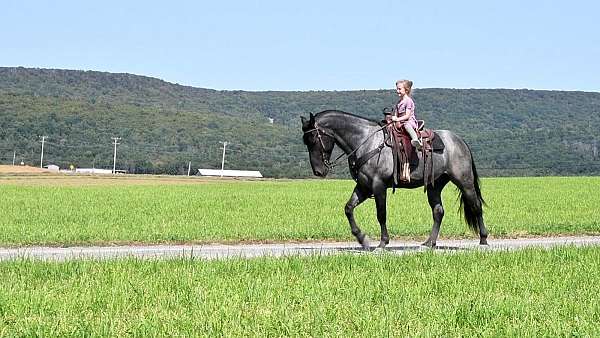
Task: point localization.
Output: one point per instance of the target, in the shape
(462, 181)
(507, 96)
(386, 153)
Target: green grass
(278, 211)
(531, 292)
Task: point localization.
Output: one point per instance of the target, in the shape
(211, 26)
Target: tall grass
(277, 211)
(532, 292)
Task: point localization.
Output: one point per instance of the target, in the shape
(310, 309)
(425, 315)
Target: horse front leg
(381, 205)
(358, 196)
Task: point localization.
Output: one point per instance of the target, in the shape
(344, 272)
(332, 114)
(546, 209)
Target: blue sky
(313, 45)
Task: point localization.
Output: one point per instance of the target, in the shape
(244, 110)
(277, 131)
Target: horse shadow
(399, 248)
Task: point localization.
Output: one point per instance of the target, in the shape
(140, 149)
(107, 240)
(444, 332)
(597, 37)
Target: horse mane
(339, 113)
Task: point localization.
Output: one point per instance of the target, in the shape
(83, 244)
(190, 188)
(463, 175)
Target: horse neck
(348, 131)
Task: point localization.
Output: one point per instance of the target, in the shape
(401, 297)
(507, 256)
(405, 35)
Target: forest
(164, 126)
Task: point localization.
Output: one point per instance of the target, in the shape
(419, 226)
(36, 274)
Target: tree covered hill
(163, 126)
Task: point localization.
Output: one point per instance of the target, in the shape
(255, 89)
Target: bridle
(330, 165)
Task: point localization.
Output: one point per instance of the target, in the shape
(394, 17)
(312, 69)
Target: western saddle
(404, 154)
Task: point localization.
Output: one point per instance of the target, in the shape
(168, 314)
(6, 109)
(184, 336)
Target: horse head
(319, 144)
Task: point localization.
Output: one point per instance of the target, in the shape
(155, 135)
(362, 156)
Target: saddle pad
(438, 144)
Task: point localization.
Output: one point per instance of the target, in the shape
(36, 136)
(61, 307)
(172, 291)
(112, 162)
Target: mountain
(164, 126)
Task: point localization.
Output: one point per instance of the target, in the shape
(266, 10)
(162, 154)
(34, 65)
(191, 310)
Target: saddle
(405, 155)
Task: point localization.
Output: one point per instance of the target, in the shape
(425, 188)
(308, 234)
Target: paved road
(218, 251)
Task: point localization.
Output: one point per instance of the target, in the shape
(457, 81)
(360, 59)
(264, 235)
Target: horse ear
(304, 122)
(312, 118)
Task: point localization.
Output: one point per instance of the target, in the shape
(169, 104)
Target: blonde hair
(407, 84)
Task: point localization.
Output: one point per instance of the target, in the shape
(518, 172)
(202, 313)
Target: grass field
(535, 293)
(57, 210)
(532, 292)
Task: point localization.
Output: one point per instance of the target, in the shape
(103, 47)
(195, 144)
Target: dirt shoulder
(16, 175)
(21, 169)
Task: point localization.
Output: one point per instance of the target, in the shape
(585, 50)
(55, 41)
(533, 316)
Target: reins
(331, 165)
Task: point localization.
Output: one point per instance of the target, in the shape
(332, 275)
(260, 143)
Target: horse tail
(472, 209)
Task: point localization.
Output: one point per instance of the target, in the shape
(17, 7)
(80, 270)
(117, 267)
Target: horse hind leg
(483, 232)
(434, 197)
(358, 196)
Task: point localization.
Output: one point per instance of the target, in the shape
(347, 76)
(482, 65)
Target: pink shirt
(402, 106)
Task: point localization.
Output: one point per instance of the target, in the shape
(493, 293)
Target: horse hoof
(429, 244)
(483, 241)
(365, 243)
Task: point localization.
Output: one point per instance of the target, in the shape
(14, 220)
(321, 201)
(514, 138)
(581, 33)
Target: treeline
(164, 126)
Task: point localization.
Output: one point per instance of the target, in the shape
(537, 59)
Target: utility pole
(593, 145)
(14, 156)
(115, 139)
(189, 167)
(42, 156)
(223, 160)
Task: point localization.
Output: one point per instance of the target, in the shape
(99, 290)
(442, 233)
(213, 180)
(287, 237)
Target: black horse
(361, 138)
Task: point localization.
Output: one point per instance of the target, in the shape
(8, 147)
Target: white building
(53, 167)
(92, 171)
(229, 173)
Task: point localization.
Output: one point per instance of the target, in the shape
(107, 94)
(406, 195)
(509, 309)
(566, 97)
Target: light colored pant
(411, 132)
